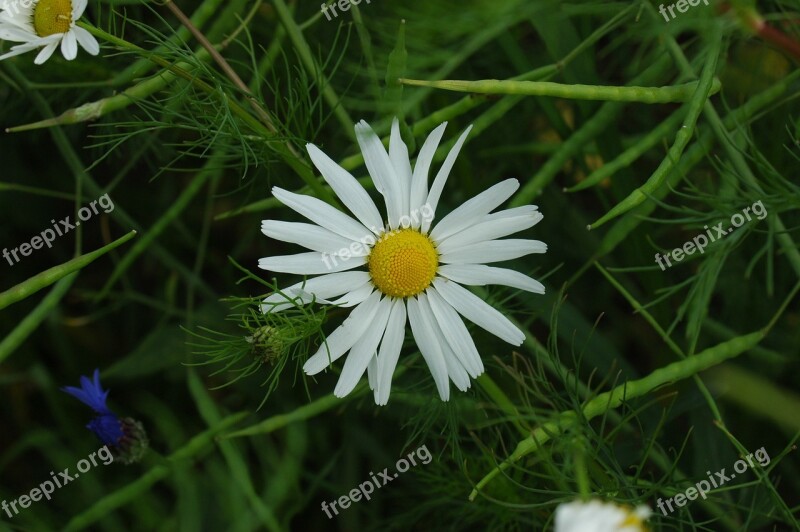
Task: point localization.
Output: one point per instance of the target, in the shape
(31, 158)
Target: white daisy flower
(45, 24)
(413, 273)
(599, 516)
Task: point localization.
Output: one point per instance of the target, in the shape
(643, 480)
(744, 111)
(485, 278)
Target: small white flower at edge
(600, 516)
(45, 24)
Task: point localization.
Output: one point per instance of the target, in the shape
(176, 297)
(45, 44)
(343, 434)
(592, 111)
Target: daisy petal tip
(342, 390)
(311, 368)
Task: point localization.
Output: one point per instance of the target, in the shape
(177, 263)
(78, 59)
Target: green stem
(304, 51)
(212, 168)
(629, 156)
(603, 118)
(758, 395)
(48, 277)
(29, 324)
(582, 474)
(703, 89)
(282, 148)
(299, 414)
(674, 93)
(133, 490)
(501, 400)
(733, 120)
(624, 392)
(139, 68)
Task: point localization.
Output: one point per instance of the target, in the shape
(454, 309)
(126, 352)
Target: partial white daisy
(45, 24)
(600, 516)
(413, 274)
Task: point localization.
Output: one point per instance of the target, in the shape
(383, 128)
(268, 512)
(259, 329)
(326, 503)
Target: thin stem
(50, 276)
(223, 64)
(281, 148)
(623, 393)
(674, 93)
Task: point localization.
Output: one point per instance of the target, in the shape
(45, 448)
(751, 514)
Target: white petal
(473, 210)
(524, 210)
(481, 275)
(380, 169)
(22, 18)
(478, 311)
(493, 251)
(363, 350)
(78, 7)
(310, 236)
(354, 297)
(455, 368)
(419, 180)
(398, 154)
(322, 287)
(46, 52)
(429, 347)
(343, 338)
(348, 189)
(86, 40)
(18, 50)
(372, 373)
(69, 46)
(312, 263)
(488, 230)
(389, 353)
(441, 177)
(322, 214)
(16, 34)
(456, 333)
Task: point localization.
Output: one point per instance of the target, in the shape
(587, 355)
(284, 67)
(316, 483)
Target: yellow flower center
(403, 263)
(52, 16)
(633, 520)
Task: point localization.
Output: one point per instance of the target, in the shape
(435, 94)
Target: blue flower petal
(90, 393)
(107, 427)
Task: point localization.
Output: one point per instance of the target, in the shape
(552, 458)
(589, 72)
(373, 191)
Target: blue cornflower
(106, 425)
(108, 428)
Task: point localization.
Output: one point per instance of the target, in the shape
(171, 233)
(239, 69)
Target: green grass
(631, 134)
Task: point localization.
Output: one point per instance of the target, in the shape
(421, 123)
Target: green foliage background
(189, 167)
